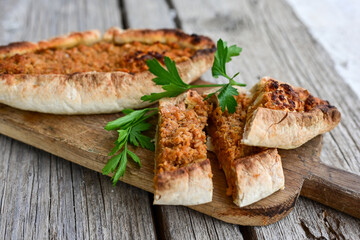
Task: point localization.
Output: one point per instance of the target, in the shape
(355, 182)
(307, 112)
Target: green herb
(130, 128)
(173, 85)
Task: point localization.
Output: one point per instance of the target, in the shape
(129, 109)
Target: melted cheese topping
(100, 57)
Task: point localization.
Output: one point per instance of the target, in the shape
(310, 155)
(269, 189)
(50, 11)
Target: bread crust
(257, 176)
(287, 130)
(64, 41)
(95, 92)
(252, 173)
(188, 185)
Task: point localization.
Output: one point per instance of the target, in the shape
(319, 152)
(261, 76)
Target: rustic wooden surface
(83, 204)
(83, 140)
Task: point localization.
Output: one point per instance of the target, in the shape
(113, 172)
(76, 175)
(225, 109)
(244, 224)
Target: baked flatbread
(283, 116)
(182, 170)
(84, 73)
(252, 173)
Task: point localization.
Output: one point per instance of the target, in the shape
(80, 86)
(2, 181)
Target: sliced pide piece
(283, 116)
(85, 73)
(182, 170)
(252, 173)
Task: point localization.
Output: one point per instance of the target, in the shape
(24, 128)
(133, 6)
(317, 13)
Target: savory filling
(182, 138)
(226, 131)
(275, 95)
(100, 57)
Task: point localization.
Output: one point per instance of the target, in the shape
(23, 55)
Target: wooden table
(43, 196)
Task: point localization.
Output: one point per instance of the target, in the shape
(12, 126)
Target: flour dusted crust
(257, 176)
(96, 92)
(289, 129)
(190, 184)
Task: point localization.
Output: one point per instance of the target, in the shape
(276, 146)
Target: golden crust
(257, 176)
(65, 41)
(148, 36)
(189, 184)
(94, 92)
(252, 173)
(289, 129)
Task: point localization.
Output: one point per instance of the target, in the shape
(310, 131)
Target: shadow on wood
(83, 140)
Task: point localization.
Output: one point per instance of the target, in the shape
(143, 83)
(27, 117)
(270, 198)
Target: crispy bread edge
(288, 130)
(189, 185)
(64, 41)
(91, 92)
(121, 36)
(257, 176)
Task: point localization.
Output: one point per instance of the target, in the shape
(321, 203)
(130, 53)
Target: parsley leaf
(226, 99)
(170, 80)
(232, 52)
(223, 55)
(129, 128)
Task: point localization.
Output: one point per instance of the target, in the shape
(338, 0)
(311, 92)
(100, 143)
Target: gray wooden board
(41, 195)
(276, 43)
(64, 200)
(177, 222)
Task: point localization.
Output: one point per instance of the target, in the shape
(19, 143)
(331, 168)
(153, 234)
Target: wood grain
(276, 43)
(46, 197)
(333, 187)
(281, 48)
(82, 139)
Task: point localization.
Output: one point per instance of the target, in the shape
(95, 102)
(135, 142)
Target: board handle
(334, 188)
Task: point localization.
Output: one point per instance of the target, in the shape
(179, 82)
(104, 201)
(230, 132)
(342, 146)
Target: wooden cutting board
(83, 140)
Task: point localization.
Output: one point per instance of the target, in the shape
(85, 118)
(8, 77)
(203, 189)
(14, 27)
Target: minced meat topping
(100, 57)
(182, 138)
(282, 96)
(226, 132)
(227, 129)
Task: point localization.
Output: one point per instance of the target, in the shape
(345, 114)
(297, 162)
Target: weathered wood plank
(177, 222)
(154, 15)
(311, 220)
(74, 165)
(43, 196)
(276, 43)
(338, 38)
(184, 223)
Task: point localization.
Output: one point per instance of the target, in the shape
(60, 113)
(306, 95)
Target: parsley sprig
(173, 85)
(130, 128)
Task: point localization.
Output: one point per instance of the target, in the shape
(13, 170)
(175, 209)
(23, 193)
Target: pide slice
(182, 172)
(283, 116)
(85, 73)
(252, 173)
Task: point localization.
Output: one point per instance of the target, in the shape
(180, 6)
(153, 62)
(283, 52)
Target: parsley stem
(215, 85)
(206, 85)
